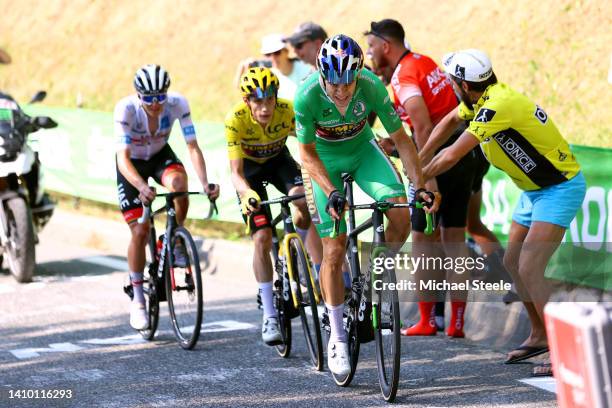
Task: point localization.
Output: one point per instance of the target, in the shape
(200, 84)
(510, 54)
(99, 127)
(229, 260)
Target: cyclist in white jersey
(142, 125)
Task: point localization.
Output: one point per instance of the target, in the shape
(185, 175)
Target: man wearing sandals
(518, 137)
(143, 122)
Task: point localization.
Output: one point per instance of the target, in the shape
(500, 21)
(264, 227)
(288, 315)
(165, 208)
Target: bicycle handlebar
(146, 208)
(384, 206)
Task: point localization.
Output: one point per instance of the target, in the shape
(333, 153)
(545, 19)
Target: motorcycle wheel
(21, 253)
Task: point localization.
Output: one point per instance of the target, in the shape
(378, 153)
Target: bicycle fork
(378, 249)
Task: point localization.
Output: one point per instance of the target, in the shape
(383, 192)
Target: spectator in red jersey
(423, 96)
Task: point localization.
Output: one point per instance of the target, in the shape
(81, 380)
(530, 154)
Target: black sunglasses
(374, 32)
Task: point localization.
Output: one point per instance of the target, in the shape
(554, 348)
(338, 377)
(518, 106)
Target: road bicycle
(295, 291)
(376, 289)
(179, 284)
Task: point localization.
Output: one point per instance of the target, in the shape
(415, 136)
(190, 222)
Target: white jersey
(132, 126)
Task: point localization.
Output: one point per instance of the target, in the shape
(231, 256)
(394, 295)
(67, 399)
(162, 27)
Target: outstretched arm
(448, 157)
(439, 135)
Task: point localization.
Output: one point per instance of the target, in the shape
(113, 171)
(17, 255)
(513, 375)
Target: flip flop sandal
(530, 351)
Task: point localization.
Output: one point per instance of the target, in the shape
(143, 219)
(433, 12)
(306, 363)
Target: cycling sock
(347, 279)
(136, 278)
(427, 325)
(302, 233)
(336, 322)
(265, 292)
(455, 328)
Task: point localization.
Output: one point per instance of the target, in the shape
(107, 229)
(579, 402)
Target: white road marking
(117, 341)
(116, 264)
(212, 327)
(545, 383)
(25, 353)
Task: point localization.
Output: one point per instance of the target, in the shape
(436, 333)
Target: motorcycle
(25, 208)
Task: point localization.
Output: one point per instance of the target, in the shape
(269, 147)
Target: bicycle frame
(282, 249)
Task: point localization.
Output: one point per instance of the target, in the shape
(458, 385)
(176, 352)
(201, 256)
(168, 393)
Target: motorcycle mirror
(44, 122)
(39, 96)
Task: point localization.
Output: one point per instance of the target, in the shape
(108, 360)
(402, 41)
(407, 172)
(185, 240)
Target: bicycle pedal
(129, 290)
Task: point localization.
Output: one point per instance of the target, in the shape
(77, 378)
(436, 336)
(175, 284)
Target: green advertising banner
(79, 159)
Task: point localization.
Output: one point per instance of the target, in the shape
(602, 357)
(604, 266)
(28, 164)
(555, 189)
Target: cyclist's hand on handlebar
(212, 191)
(430, 199)
(335, 204)
(147, 194)
(249, 201)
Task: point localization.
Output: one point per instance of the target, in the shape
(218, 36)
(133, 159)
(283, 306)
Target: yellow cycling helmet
(259, 82)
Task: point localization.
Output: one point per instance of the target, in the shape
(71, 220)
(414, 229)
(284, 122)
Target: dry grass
(557, 52)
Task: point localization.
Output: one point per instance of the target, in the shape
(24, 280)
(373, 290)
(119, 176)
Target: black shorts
(156, 167)
(482, 167)
(282, 172)
(455, 186)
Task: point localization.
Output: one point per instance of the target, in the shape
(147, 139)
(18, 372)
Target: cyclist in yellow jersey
(256, 131)
(519, 138)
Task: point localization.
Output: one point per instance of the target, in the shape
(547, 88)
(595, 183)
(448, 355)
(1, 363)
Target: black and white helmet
(151, 79)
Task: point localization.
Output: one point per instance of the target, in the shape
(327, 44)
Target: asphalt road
(69, 331)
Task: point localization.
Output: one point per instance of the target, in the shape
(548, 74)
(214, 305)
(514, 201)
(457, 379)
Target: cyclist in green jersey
(331, 108)
(518, 137)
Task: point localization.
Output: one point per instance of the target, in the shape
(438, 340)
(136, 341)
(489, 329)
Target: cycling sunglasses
(151, 99)
(334, 78)
(259, 94)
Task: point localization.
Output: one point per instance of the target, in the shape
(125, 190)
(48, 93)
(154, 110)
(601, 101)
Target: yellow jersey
(249, 140)
(519, 138)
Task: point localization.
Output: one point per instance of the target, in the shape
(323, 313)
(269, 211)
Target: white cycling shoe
(138, 316)
(338, 358)
(270, 333)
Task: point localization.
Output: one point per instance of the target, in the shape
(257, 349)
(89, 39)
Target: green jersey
(346, 144)
(319, 121)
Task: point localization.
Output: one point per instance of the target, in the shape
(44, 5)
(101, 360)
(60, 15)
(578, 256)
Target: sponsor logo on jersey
(327, 112)
(341, 132)
(484, 115)
(541, 115)
(189, 130)
(562, 156)
(231, 128)
(278, 127)
(262, 151)
(359, 109)
(515, 152)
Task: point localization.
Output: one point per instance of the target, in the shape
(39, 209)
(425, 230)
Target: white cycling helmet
(151, 79)
(468, 65)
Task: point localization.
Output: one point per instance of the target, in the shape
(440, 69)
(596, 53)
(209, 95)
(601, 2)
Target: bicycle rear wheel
(184, 291)
(151, 303)
(386, 314)
(307, 304)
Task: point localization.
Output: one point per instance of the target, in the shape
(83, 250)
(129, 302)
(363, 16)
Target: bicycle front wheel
(184, 290)
(386, 315)
(309, 314)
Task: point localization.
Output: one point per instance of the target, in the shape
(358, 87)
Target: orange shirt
(418, 74)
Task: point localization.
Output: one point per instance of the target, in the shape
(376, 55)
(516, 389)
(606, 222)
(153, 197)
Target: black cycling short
(156, 167)
(482, 166)
(281, 171)
(455, 186)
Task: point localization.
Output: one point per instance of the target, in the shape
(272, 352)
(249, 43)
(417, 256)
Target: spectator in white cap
(290, 71)
(274, 49)
(306, 41)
